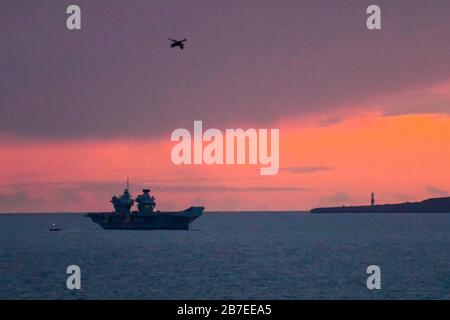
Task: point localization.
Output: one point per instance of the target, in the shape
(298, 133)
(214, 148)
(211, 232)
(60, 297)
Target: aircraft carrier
(145, 218)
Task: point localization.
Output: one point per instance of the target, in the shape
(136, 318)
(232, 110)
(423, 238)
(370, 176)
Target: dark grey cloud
(213, 188)
(403, 197)
(245, 61)
(329, 121)
(9, 201)
(23, 175)
(73, 196)
(113, 187)
(339, 198)
(436, 192)
(307, 169)
(70, 196)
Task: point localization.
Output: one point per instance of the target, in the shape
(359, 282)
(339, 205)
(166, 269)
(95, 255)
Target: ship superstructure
(123, 203)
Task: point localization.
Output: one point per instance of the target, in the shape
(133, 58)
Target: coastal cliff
(433, 205)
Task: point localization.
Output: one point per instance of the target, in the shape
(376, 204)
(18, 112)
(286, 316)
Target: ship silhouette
(145, 218)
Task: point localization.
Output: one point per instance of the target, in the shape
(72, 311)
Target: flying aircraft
(177, 43)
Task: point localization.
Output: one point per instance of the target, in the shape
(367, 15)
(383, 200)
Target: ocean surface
(229, 256)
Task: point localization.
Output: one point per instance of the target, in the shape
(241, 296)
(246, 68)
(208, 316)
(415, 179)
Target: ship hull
(154, 221)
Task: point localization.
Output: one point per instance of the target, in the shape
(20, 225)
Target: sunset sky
(358, 110)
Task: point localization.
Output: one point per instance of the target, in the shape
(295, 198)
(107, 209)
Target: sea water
(229, 256)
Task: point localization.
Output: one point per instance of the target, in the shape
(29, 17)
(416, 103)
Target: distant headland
(433, 205)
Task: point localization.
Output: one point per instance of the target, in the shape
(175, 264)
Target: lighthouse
(372, 199)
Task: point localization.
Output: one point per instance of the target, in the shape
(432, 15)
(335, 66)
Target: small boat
(54, 228)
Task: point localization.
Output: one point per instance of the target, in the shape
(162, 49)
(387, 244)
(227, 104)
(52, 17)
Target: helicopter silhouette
(177, 43)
